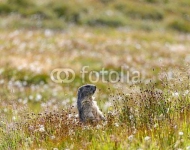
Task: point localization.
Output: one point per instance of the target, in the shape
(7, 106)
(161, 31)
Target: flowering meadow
(146, 107)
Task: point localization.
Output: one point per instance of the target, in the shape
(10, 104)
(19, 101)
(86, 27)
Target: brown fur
(87, 107)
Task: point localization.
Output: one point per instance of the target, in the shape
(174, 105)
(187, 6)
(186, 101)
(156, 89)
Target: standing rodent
(87, 107)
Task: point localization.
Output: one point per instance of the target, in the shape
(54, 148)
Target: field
(142, 46)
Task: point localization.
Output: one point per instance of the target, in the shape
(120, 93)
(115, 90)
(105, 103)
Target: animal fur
(87, 107)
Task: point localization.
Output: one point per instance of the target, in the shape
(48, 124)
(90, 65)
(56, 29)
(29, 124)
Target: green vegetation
(147, 36)
(139, 14)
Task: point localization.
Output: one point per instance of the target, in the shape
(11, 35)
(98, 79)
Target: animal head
(86, 91)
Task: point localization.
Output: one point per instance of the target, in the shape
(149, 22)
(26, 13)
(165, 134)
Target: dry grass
(148, 115)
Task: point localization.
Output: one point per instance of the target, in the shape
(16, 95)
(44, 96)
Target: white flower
(107, 105)
(42, 129)
(38, 97)
(52, 137)
(14, 118)
(175, 94)
(25, 101)
(180, 133)
(31, 97)
(130, 138)
(1, 81)
(98, 126)
(147, 138)
(188, 148)
(186, 92)
(1, 70)
(131, 117)
(155, 125)
(43, 105)
(116, 124)
(48, 33)
(2, 123)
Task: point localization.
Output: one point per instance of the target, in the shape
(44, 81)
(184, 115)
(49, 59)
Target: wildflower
(116, 124)
(24, 83)
(175, 94)
(71, 132)
(98, 126)
(131, 117)
(180, 133)
(107, 105)
(186, 92)
(52, 137)
(70, 116)
(31, 128)
(25, 101)
(31, 97)
(1, 81)
(28, 141)
(147, 138)
(2, 123)
(48, 33)
(14, 118)
(188, 148)
(42, 129)
(1, 70)
(130, 138)
(38, 97)
(155, 125)
(43, 105)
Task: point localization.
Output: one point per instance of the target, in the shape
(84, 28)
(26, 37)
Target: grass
(147, 115)
(138, 120)
(36, 113)
(146, 15)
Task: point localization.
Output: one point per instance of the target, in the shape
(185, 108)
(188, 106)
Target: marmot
(87, 107)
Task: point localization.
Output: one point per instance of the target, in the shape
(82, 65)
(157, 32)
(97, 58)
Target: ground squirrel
(87, 107)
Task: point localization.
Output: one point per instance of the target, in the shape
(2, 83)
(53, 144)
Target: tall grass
(149, 118)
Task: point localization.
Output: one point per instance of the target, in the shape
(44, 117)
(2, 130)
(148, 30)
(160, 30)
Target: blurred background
(139, 14)
(150, 36)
